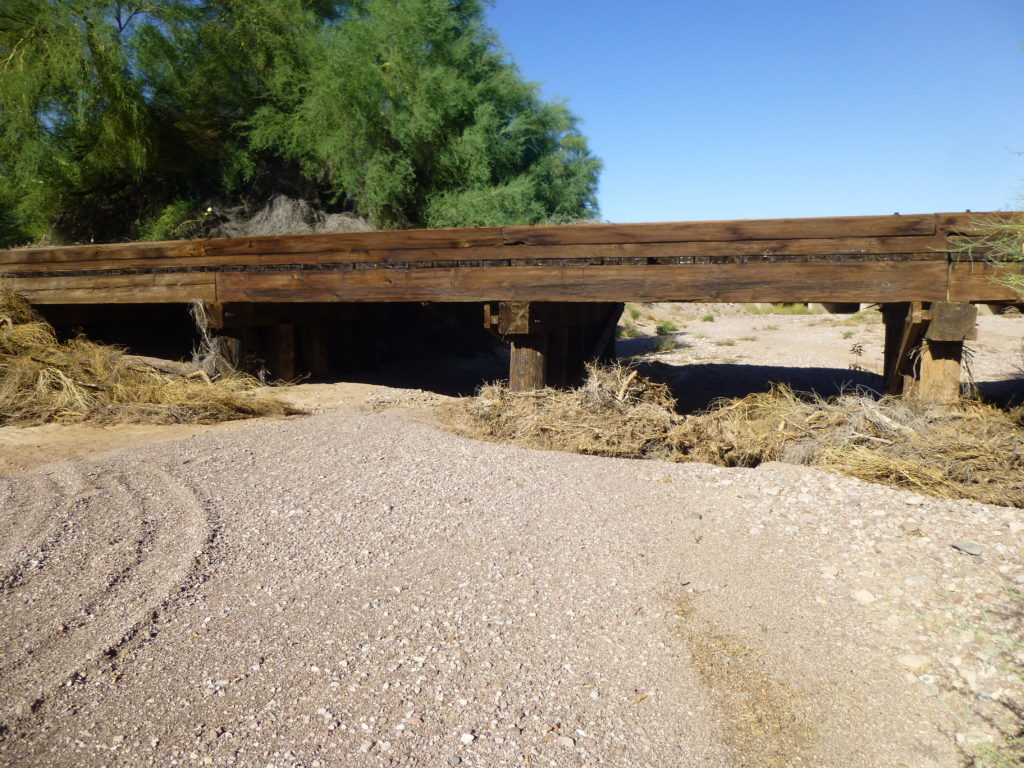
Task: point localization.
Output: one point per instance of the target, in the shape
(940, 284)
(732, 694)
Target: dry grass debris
(615, 412)
(764, 719)
(971, 451)
(43, 379)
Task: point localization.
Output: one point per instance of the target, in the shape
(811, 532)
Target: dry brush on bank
(43, 379)
(970, 451)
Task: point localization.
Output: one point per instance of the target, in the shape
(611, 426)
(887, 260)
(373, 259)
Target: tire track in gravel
(90, 557)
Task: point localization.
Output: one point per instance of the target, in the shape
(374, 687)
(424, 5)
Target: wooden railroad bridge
(554, 292)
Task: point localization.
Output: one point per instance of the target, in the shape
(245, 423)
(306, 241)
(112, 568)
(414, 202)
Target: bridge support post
(528, 362)
(551, 341)
(281, 350)
(924, 348)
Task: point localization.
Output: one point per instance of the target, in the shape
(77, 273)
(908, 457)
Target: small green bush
(665, 344)
(627, 330)
(665, 327)
(708, 318)
(175, 221)
(1001, 240)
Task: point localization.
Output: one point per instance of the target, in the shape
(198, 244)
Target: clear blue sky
(772, 108)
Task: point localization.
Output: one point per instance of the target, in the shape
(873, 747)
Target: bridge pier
(550, 342)
(289, 341)
(924, 344)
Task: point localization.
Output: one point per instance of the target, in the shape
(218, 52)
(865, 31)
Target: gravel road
(357, 588)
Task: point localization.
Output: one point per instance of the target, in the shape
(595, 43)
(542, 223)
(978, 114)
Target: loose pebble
(864, 597)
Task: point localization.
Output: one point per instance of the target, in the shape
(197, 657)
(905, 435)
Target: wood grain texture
(926, 247)
(751, 229)
(357, 241)
(864, 282)
(117, 289)
(874, 258)
(939, 374)
(112, 252)
(981, 281)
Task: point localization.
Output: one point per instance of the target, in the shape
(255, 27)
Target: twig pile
(971, 451)
(43, 379)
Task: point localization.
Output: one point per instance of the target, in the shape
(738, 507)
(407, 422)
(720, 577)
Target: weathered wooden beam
(515, 317)
(949, 321)
(873, 259)
(927, 247)
(982, 281)
(751, 229)
(917, 225)
(341, 242)
(170, 288)
(755, 282)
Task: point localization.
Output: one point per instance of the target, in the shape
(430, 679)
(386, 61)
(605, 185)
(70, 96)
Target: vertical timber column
(528, 362)
(312, 338)
(281, 352)
(897, 318)
(550, 341)
(939, 380)
(924, 348)
(942, 352)
(535, 331)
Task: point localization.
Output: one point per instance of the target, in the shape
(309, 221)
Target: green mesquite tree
(413, 112)
(125, 118)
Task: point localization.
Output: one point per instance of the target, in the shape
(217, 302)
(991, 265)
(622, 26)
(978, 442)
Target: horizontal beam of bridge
(841, 259)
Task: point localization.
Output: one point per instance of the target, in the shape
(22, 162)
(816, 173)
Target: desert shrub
(627, 330)
(665, 344)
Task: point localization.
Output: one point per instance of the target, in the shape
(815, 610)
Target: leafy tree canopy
(121, 118)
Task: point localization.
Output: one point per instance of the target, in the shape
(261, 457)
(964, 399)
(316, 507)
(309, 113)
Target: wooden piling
(528, 362)
(924, 348)
(312, 340)
(939, 376)
(281, 351)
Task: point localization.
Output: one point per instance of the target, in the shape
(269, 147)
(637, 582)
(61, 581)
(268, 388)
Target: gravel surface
(354, 589)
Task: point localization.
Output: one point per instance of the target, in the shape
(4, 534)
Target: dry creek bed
(358, 587)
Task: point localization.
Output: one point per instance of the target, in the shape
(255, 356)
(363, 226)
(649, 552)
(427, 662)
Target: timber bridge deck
(555, 292)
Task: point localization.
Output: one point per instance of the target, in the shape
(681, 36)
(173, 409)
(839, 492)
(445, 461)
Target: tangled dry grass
(971, 451)
(43, 379)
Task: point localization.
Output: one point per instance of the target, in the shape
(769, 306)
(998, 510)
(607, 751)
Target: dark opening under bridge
(554, 292)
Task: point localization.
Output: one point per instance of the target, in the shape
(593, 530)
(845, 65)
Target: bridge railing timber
(840, 259)
(554, 292)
